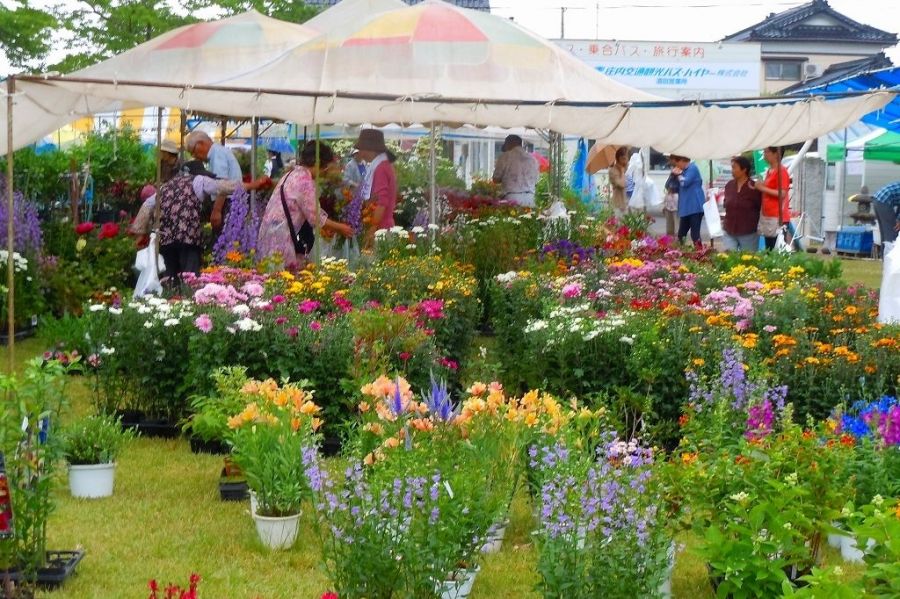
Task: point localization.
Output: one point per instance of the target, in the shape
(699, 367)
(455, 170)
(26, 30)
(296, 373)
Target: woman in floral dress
(299, 186)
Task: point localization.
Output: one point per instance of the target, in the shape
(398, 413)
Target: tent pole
(432, 202)
(254, 133)
(843, 179)
(10, 231)
(159, 120)
(182, 127)
(224, 126)
(318, 243)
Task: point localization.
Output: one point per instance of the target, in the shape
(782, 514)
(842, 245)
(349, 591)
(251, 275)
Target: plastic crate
(855, 239)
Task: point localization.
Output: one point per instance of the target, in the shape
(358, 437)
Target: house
(803, 42)
(483, 5)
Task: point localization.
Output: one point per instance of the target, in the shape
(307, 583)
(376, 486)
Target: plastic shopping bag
(780, 244)
(148, 279)
(889, 301)
(652, 198)
(712, 219)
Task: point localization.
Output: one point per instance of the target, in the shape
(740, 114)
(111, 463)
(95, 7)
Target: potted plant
(208, 424)
(91, 447)
(268, 437)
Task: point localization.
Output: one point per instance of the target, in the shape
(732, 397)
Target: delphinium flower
(28, 236)
(352, 213)
(733, 378)
(889, 428)
(240, 230)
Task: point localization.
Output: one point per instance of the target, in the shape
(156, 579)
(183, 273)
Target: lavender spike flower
(439, 402)
(396, 403)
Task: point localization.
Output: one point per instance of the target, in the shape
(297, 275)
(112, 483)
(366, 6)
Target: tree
(25, 34)
(104, 28)
(294, 11)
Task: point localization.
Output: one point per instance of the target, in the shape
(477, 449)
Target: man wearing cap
(354, 171)
(517, 172)
(221, 160)
(380, 182)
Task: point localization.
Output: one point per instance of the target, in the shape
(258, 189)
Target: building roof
(843, 70)
(815, 21)
(483, 5)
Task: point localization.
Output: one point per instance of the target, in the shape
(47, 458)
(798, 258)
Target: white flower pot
(494, 538)
(835, 540)
(277, 533)
(850, 550)
(461, 585)
(92, 481)
(254, 504)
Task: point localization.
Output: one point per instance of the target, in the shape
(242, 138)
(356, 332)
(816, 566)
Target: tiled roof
(484, 5)
(793, 25)
(843, 70)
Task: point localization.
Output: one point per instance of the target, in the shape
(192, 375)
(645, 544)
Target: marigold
(688, 458)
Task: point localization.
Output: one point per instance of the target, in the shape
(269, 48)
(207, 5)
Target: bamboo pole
(254, 149)
(318, 243)
(432, 202)
(10, 230)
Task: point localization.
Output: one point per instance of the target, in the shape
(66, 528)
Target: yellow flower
(698, 362)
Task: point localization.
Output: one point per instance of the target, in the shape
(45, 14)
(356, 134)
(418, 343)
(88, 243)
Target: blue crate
(855, 239)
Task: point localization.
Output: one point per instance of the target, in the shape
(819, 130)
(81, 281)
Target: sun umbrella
(600, 157)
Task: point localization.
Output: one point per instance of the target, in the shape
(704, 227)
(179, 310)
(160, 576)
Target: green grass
(166, 521)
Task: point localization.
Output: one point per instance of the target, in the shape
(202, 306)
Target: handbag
(304, 238)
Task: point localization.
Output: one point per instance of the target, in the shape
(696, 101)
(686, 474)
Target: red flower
(330, 595)
(109, 231)
(84, 228)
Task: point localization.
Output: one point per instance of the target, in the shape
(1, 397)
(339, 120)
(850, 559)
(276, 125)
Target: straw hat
(371, 140)
(169, 147)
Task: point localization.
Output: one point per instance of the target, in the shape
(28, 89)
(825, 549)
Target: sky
(655, 20)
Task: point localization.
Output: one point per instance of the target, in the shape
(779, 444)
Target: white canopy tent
(428, 63)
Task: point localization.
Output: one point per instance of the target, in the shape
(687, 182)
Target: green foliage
(28, 300)
(31, 446)
(25, 33)
(97, 439)
(40, 177)
(120, 165)
(210, 412)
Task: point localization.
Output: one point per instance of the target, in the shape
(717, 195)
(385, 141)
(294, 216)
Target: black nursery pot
(214, 446)
(233, 490)
(58, 567)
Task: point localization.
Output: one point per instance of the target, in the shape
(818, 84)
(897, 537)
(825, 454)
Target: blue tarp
(889, 116)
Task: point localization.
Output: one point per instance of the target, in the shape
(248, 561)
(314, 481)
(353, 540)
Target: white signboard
(679, 70)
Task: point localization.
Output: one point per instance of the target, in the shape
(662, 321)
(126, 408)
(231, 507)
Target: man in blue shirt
(222, 162)
(890, 195)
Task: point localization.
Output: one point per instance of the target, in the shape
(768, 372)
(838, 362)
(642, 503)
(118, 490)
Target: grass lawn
(166, 521)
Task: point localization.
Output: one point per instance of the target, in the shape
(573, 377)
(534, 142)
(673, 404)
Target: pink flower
(278, 299)
(770, 328)
(405, 356)
(252, 289)
(343, 303)
(450, 364)
(307, 306)
(281, 320)
(315, 325)
(293, 332)
(571, 290)
(204, 323)
(433, 309)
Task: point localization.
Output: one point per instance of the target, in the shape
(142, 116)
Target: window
(783, 70)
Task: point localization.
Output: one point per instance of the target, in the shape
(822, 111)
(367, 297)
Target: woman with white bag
(690, 199)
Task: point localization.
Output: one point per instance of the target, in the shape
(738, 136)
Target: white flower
(740, 497)
(144, 310)
(787, 526)
(418, 230)
(115, 311)
(248, 324)
(397, 230)
(591, 334)
(171, 322)
(241, 309)
(627, 340)
(107, 350)
(410, 246)
(877, 500)
(381, 233)
(845, 512)
(791, 479)
(536, 325)
(148, 324)
(433, 227)
(96, 307)
(507, 277)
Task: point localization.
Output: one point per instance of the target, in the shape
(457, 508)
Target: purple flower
(241, 227)
(28, 238)
(439, 402)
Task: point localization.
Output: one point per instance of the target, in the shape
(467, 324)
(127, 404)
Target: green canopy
(885, 147)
